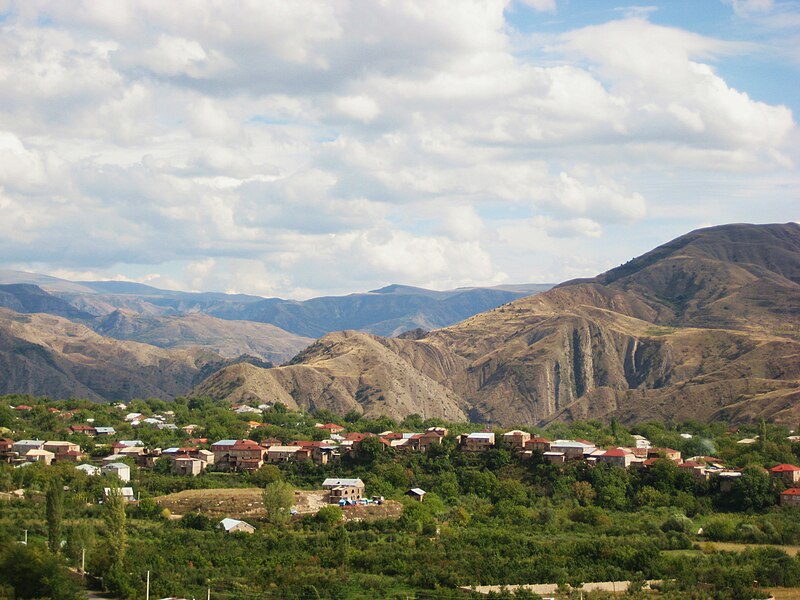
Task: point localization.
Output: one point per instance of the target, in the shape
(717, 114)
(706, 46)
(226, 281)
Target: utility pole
(83, 563)
(147, 593)
(26, 538)
(208, 597)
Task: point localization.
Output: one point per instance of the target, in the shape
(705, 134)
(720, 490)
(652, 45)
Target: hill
(229, 339)
(704, 327)
(48, 355)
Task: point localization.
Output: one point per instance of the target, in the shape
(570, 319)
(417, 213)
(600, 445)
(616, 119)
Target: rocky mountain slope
(229, 339)
(48, 355)
(706, 326)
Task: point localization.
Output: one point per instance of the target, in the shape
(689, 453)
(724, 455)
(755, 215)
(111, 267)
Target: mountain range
(705, 327)
(60, 337)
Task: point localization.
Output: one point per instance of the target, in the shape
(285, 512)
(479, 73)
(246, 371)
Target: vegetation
(488, 518)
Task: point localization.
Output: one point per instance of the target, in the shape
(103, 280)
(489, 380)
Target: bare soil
(239, 503)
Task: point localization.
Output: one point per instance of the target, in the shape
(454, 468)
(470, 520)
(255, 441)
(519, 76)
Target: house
(246, 410)
(343, 490)
(320, 452)
(668, 453)
(87, 430)
(64, 451)
(572, 449)
(35, 455)
(89, 469)
(789, 474)
(236, 526)
(417, 494)
(134, 416)
(104, 431)
(555, 458)
(330, 427)
(641, 441)
(432, 436)
(618, 457)
(791, 497)
(278, 454)
(238, 455)
(22, 446)
(133, 451)
(121, 470)
(516, 438)
(697, 469)
(6, 444)
(538, 444)
(22, 407)
(186, 465)
(125, 492)
(112, 458)
(479, 441)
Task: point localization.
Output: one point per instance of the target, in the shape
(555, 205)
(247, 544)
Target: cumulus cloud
(298, 147)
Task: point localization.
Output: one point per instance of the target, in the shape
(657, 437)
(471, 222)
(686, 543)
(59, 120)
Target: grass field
(733, 547)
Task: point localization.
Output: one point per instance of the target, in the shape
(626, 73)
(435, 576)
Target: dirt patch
(309, 502)
(235, 502)
(239, 503)
(390, 509)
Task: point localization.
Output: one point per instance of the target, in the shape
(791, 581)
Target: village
(199, 454)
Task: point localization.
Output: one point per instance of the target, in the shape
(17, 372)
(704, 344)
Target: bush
(328, 516)
(678, 523)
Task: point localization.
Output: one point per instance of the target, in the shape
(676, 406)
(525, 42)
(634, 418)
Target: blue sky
(304, 147)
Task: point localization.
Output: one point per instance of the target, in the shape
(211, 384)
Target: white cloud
(361, 108)
(295, 147)
(748, 7)
(541, 5)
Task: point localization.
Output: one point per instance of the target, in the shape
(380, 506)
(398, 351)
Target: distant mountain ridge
(706, 327)
(67, 360)
(386, 311)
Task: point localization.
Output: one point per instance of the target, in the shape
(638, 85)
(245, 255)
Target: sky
(297, 148)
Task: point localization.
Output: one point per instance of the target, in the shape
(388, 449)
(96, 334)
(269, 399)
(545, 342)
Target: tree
(55, 514)
(584, 492)
(114, 519)
(33, 573)
(265, 475)
(330, 515)
(278, 499)
(370, 448)
(753, 490)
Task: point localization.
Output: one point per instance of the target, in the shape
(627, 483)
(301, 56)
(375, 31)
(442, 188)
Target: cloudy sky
(296, 147)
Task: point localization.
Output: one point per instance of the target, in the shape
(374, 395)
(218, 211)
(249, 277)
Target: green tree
(33, 573)
(370, 448)
(55, 514)
(328, 516)
(114, 519)
(753, 490)
(584, 492)
(278, 499)
(265, 475)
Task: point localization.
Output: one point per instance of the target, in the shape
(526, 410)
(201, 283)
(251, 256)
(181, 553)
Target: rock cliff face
(706, 327)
